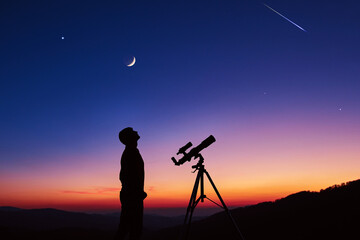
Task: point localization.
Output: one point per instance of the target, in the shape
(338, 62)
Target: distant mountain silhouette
(333, 213)
(9, 209)
(16, 223)
(48, 219)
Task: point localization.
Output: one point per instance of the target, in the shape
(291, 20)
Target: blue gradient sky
(275, 97)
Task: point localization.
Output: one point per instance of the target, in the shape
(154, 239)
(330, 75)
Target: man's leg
(125, 219)
(137, 220)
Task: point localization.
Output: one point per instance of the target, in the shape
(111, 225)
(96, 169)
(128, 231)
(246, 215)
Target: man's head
(128, 136)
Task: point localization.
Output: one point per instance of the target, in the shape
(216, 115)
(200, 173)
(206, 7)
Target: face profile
(128, 136)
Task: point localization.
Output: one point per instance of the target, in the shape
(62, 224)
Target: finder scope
(194, 152)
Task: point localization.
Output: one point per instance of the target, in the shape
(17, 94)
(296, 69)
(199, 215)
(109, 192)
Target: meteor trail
(284, 17)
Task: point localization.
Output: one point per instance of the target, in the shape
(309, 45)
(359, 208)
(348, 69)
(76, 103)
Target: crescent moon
(132, 63)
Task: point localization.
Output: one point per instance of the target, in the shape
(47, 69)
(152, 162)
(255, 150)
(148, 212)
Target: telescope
(199, 183)
(194, 152)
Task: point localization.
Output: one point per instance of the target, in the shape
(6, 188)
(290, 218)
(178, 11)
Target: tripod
(193, 201)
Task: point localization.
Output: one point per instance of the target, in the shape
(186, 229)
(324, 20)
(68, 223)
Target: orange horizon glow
(108, 200)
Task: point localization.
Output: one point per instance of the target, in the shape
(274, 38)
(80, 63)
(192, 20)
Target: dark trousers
(131, 218)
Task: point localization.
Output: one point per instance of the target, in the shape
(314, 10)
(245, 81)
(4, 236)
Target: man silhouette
(132, 192)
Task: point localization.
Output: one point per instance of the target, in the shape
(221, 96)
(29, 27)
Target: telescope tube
(196, 150)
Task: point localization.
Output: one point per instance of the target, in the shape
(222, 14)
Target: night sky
(282, 103)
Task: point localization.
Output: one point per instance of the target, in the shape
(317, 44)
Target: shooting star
(284, 17)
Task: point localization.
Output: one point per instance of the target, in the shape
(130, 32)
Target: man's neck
(131, 145)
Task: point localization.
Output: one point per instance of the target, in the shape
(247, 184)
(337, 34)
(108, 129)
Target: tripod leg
(202, 184)
(224, 206)
(191, 206)
(191, 214)
(193, 197)
(200, 178)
